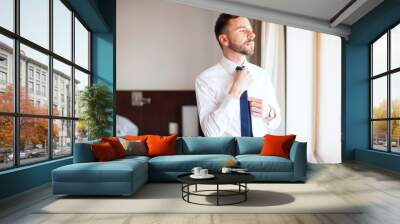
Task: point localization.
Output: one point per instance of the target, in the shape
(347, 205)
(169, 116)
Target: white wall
(163, 45)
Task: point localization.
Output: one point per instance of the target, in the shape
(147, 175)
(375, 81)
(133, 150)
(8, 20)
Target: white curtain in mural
(310, 92)
(314, 93)
(273, 60)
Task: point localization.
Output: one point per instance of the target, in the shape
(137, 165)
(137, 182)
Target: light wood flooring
(377, 188)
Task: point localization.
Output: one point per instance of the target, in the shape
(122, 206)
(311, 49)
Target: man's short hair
(221, 24)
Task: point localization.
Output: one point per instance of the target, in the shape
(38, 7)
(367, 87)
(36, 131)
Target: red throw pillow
(103, 152)
(136, 138)
(116, 145)
(161, 145)
(277, 145)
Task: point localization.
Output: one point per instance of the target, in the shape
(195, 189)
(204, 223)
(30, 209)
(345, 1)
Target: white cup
(196, 171)
(226, 170)
(203, 172)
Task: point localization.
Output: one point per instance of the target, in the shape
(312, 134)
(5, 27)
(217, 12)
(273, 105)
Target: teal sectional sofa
(125, 176)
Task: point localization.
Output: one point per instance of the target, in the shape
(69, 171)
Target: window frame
(388, 74)
(16, 114)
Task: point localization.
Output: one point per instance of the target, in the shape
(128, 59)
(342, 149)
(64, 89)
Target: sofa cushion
(185, 163)
(103, 152)
(116, 145)
(277, 145)
(257, 163)
(207, 145)
(134, 147)
(112, 171)
(249, 145)
(161, 145)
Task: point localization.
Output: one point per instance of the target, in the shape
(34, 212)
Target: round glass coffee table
(238, 179)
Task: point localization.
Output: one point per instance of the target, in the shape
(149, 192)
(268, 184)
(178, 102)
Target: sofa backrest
(83, 152)
(249, 145)
(206, 145)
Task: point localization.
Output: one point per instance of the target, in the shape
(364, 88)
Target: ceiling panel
(321, 9)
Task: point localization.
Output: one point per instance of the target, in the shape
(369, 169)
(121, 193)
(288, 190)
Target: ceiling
(328, 16)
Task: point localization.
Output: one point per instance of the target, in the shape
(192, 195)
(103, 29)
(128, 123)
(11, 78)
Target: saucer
(208, 176)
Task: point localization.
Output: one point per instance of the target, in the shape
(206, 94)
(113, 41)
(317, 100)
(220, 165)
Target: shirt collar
(230, 66)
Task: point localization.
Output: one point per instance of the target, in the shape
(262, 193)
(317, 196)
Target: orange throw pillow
(116, 145)
(103, 152)
(161, 145)
(136, 138)
(277, 145)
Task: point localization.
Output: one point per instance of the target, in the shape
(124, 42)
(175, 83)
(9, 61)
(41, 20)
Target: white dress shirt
(219, 112)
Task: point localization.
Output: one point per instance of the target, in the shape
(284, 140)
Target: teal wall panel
(356, 85)
(24, 178)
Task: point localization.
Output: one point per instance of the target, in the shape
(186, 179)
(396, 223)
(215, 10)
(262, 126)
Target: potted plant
(96, 105)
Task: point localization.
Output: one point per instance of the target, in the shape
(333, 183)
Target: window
(3, 61)
(6, 142)
(35, 21)
(62, 74)
(44, 91)
(30, 72)
(45, 131)
(7, 14)
(385, 94)
(62, 31)
(81, 45)
(6, 73)
(37, 75)
(3, 78)
(30, 87)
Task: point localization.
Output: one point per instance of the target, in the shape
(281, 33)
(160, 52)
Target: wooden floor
(377, 188)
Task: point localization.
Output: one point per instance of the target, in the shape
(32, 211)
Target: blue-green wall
(356, 84)
(24, 178)
(99, 16)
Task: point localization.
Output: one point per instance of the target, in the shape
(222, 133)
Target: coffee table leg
(196, 188)
(245, 193)
(217, 194)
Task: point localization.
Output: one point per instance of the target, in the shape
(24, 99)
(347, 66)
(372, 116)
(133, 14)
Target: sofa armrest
(298, 155)
(83, 152)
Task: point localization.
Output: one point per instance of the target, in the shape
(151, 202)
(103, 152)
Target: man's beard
(243, 49)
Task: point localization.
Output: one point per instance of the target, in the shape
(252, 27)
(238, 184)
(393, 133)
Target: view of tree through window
(49, 81)
(385, 91)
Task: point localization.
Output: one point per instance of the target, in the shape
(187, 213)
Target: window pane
(62, 138)
(62, 29)
(395, 130)
(62, 89)
(6, 142)
(395, 94)
(34, 81)
(33, 140)
(81, 131)
(379, 55)
(379, 100)
(395, 47)
(6, 74)
(379, 135)
(35, 21)
(81, 81)
(7, 14)
(81, 45)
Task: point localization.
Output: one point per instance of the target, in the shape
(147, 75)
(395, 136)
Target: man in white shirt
(235, 97)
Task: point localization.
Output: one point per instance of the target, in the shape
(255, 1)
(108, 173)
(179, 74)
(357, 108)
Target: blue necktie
(245, 116)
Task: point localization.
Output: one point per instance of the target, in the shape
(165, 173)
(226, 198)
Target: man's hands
(241, 83)
(260, 109)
